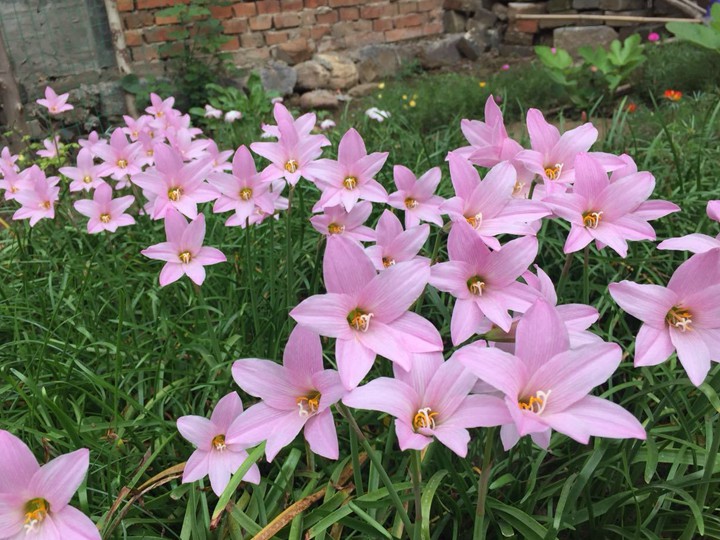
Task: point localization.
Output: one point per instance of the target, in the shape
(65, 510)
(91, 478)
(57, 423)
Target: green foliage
(679, 66)
(706, 36)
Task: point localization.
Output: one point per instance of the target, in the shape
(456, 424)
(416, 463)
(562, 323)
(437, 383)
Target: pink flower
(603, 211)
(303, 124)
(220, 160)
(242, 191)
(327, 124)
(14, 182)
(212, 112)
(214, 455)
(52, 147)
(294, 151)
(86, 175)
(336, 221)
(505, 67)
(416, 196)
(175, 184)
(38, 202)
(8, 161)
(350, 178)
(546, 384)
(713, 210)
(122, 159)
(368, 313)
(483, 281)
(181, 140)
(647, 210)
(183, 252)
(488, 205)
(160, 107)
(92, 142)
(653, 36)
(34, 500)
(395, 245)
(53, 103)
(136, 126)
(105, 213)
(232, 116)
(431, 400)
(295, 396)
(682, 317)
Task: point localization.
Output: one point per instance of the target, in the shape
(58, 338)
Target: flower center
(536, 403)
(411, 203)
(388, 262)
(185, 257)
(592, 219)
(246, 193)
(359, 320)
(45, 204)
(291, 165)
(517, 188)
(680, 318)
(553, 171)
(350, 183)
(150, 153)
(13, 189)
(122, 163)
(105, 218)
(175, 193)
(476, 285)
(424, 419)
(87, 179)
(218, 443)
(53, 108)
(475, 221)
(36, 510)
(308, 405)
(336, 228)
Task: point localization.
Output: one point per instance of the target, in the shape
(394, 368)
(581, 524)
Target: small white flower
(276, 100)
(212, 112)
(327, 124)
(377, 114)
(231, 116)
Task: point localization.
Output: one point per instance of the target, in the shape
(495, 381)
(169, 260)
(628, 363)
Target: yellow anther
(105, 218)
(36, 510)
(680, 318)
(388, 262)
(476, 285)
(336, 228)
(122, 163)
(359, 320)
(475, 221)
(424, 419)
(185, 257)
(218, 443)
(291, 166)
(536, 403)
(553, 172)
(246, 194)
(411, 203)
(592, 219)
(350, 182)
(87, 179)
(308, 405)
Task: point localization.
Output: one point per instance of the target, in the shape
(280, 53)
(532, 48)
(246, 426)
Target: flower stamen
(553, 172)
(87, 179)
(535, 404)
(476, 285)
(185, 257)
(308, 405)
(291, 165)
(350, 183)
(246, 194)
(411, 203)
(424, 419)
(680, 318)
(592, 219)
(122, 163)
(175, 193)
(218, 443)
(105, 218)
(336, 228)
(36, 510)
(388, 262)
(359, 320)
(475, 221)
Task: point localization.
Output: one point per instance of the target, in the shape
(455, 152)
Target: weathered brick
(405, 21)
(432, 28)
(252, 40)
(232, 44)
(429, 5)
(235, 26)
(162, 21)
(286, 20)
(513, 37)
(572, 38)
(261, 22)
(312, 4)
(221, 12)
(245, 9)
(268, 6)
(274, 38)
(341, 3)
(151, 4)
(586, 4)
(138, 19)
(133, 38)
(291, 5)
(331, 17)
(526, 8)
(400, 34)
(162, 33)
(144, 54)
(320, 30)
(381, 25)
(125, 5)
(526, 26)
(349, 14)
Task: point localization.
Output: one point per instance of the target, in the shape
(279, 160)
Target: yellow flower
(412, 103)
(482, 84)
(381, 85)
(404, 96)
(379, 96)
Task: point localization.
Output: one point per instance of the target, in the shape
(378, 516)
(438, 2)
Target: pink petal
(326, 314)
(268, 381)
(576, 140)
(591, 178)
(455, 438)
(696, 243)
(321, 435)
(418, 334)
(194, 235)
(227, 409)
(424, 366)
(346, 267)
(499, 369)
(652, 345)
(466, 320)
(354, 361)
(198, 430)
(72, 523)
(480, 411)
(351, 147)
(448, 388)
(170, 273)
(196, 466)
(649, 303)
(713, 210)
(386, 341)
(17, 463)
(408, 439)
(58, 480)
(284, 432)
(693, 354)
(541, 334)
(391, 293)
(303, 355)
(254, 425)
(387, 395)
(195, 271)
(209, 255)
(698, 273)
(543, 136)
(221, 465)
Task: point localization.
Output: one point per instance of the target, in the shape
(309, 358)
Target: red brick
(286, 20)
(433, 28)
(320, 30)
(349, 14)
(526, 26)
(268, 6)
(221, 12)
(312, 4)
(150, 4)
(366, 38)
(232, 44)
(407, 7)
(261, 22)
(164, 33)
(374, 11)
(341, 3)
(291, 5)
(405, 21)
(381, 25)
(330, 17)
(133, 38)
(245, 9)
(252, 40)
(428, 5)
(165, 20)
(139, 19)
(400, 34)
(125, 5)
(234, 26)
(273, 38)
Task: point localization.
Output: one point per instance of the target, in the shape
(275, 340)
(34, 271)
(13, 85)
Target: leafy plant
(618, 63)
(706, 36)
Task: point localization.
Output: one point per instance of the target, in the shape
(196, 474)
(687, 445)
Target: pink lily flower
(488, 205)
(368, 313)
(243, 190)
(181, 140)
(34, 500)
(416, 196)
(303, 124)
(350, 178)
(295, 396)
(336, 221)
(92, 142)
(220, 160)
(38, 202)
(603, 211)
(135, 126)
(713, 210)
(546, 383)
(280, 204)
(160, 107)
(395, 245)
(173, 183)
(232, 116)
(183, 252)
(86, 175)
(682, 317)
(14, 182)
(294, 150)
(55, 104)
(8, 161)
(483, 281)
(105, 213)
(52, 147)
(696, 242)
(431, 401)
(214, 455)
(122, 159)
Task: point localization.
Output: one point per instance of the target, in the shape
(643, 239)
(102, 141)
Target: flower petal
(58, 480)
(321, 435)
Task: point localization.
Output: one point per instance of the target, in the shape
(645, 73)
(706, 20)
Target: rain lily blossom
(682, 317)
(183, 251)
(327, 124)
(713, 210)
(488, 205)
(135, 126)
(159, 107)
(377, 114)
(603, 211)
(86, 175)
(105, 213)
(483, 281)
(14, 182)
(215, 456)
(351, 177)
(695, 242)
(416, 196)
(295, 396)
(220, 160)
(38, 202)
(368, 313)
(34, 499)
(431, 400)
(8, 161)
(52, 147)
(123, 159)
(394, 245)
(212, 112)
(190, 149)
(546, 384)
(336, 221)
(294, 150)
(92, 142)
(231, 116)
(172, 183)
(54, 103)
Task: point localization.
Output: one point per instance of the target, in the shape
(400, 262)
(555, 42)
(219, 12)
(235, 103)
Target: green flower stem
(479, 528)
(416, 473)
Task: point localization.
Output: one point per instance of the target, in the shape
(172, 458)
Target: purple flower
(38, 202)
(86, 175)
(51, 148)
(336, 221)
(122, 159)
(394, 245)
(416, 196)
(105, 213)
(55, 104)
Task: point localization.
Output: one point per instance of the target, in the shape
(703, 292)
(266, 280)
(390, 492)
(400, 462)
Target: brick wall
(290, 30)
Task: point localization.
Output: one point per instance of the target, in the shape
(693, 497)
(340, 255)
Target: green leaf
(254, 455)
(428, 493)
